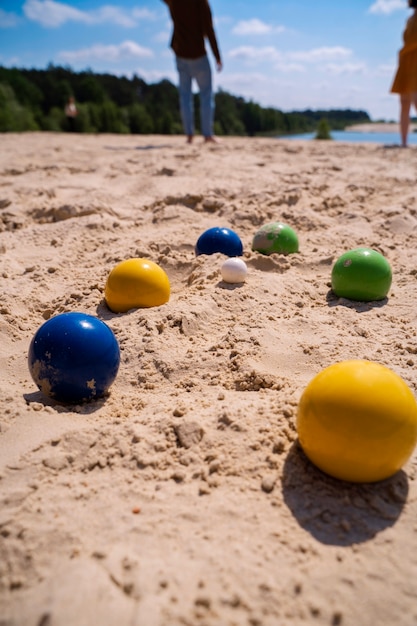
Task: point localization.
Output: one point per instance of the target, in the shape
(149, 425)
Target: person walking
(71, 113)
(405, 80)
(193, 24)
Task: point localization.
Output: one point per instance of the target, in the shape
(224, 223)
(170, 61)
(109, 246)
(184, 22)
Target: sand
(183, 497)
(379, 127)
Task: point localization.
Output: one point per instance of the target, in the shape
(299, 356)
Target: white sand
(379, 127)
(183, 499)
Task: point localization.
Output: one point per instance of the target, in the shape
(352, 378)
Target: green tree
(108, 103)
(139, 119)
(90, 117)
(323, 130)
(228, 114)
(252, 118)
(25, 91)
(13, 116)
(111, 119)
(54, 121)
(90, 90)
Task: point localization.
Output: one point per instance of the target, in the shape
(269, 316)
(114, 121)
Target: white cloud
(386, 7)
(244, 84)
(318, 55)
(243, 78)
(289, 68)
(155, 76)
(143, 14)
(387, 69)
(251, 53)
(290, 92)
(112, 15)
(345, 68)
(10, 61)
(8, 20)
(163, 37)
(336, 58)
(52, 14)
(127, 49)
(255, 27)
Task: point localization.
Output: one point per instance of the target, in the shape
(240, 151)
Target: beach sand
(183, 498)
(380, 127)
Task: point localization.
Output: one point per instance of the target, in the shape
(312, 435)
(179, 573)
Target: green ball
(361, 274)
(275, 237)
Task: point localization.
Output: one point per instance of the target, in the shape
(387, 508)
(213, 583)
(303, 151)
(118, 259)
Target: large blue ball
(221, 240)
(74, 357)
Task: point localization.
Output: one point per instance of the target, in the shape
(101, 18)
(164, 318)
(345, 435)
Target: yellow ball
(357, 421)
(134, 284)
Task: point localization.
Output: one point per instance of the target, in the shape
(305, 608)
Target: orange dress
(405, 80)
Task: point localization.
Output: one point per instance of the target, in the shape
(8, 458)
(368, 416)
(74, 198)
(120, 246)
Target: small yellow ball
(357, 421)
(136, 283)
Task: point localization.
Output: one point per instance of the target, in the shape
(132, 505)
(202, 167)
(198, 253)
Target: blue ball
(221, 240)
(74, 357)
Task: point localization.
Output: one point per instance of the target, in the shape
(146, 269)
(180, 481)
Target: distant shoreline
(378, 127)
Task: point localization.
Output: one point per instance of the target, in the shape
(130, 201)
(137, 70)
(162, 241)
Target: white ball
(234, 270)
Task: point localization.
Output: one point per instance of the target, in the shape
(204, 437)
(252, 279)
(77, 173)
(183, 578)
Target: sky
(278, 53)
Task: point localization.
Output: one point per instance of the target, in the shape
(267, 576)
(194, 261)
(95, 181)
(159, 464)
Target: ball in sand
(223, 240)
(361, 274)
(234, 270)
(136, 283)
(74, 357)
(357, 421)
(275, 237)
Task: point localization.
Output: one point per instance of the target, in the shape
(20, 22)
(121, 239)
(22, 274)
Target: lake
(389, 139)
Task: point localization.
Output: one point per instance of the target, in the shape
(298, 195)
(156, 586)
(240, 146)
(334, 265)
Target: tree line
(32, 100)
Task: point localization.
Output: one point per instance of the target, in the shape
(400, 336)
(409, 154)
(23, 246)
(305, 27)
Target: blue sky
(280, 53)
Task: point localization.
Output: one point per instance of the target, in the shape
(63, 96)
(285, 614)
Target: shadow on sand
(147, 147)
(85, 408)
(358, 306)
(336, 512)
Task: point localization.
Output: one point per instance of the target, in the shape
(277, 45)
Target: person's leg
(202, 74)
(186, 97)
(405, 101)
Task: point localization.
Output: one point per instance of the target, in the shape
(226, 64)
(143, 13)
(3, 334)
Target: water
(388, 139)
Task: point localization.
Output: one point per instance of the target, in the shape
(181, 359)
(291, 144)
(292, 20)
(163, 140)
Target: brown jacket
(192, 24)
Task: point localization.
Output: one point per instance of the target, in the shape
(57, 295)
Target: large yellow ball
(357, 421)
(134, 284)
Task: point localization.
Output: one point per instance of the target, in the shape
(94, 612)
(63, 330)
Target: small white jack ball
(234, 270)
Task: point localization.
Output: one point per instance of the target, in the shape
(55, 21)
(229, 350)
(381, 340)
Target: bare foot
(210, 139)
(189, 139)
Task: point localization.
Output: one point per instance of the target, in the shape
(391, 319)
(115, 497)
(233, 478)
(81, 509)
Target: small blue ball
(221, 240)
(73, 358)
